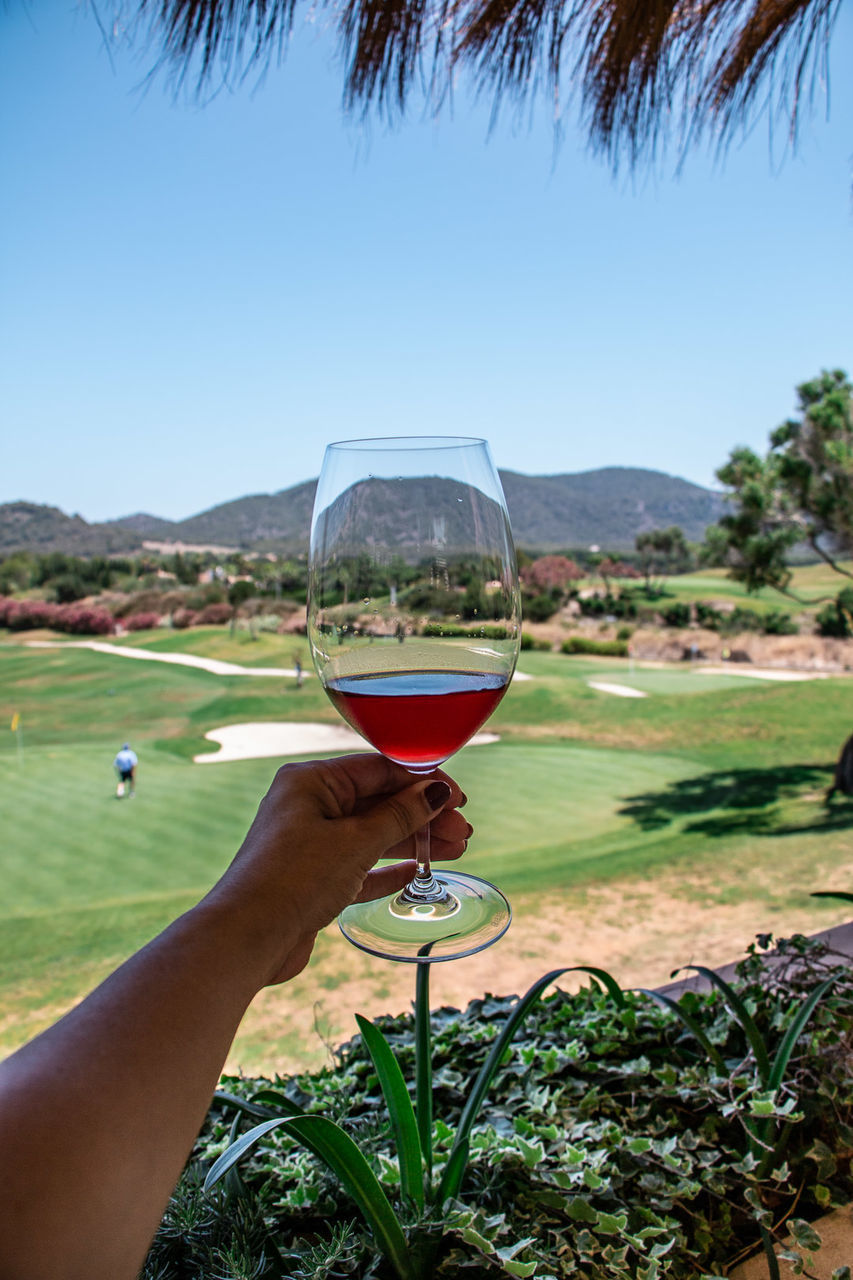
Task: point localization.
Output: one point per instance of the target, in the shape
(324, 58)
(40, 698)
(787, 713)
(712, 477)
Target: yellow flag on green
(16, 720)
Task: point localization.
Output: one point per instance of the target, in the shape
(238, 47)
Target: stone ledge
(838, 940)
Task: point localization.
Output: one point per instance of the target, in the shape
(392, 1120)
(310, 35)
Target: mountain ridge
(605, 507)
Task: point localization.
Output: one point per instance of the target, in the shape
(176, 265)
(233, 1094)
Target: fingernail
(470, 831)
(464, 800)
(437, 794)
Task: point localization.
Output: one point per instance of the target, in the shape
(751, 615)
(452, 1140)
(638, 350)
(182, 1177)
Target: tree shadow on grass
(747, 798)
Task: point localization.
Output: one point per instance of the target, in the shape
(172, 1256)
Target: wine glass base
(427, 933)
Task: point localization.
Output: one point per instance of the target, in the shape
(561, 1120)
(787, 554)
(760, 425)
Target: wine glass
(414, 623)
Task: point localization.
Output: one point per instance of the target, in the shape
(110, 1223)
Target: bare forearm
(98, 1115)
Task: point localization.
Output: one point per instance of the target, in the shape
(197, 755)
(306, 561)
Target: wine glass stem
(424, 883)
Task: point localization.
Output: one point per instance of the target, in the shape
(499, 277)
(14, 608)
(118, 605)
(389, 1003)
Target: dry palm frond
(196, 37)
(641, 69)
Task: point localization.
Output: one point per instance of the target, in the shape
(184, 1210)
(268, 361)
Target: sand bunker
(620, 690)
(257, 741)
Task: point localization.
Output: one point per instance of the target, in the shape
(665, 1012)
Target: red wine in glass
(418, 718)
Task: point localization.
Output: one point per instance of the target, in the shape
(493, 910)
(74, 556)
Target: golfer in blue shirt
(125, 766)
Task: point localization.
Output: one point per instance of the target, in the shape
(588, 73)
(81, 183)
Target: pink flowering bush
(141, 621)
(75, 619)
(215, 615)
(183, 618)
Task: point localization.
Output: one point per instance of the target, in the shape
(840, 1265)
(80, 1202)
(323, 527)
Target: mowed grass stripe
(73, 844)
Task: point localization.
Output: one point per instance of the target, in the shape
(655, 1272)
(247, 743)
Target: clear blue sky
(196, 299)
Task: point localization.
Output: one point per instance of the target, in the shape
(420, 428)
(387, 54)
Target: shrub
(602, 648)
(443, 629)
(529, 642)
(744, 620)
(27, 615)
(836, 619)
(708, 617)
(621, 606)
(624, 633)
(142, 621)
(540, 608)
(777, 623)
(676, 615)
(214, 615)
(183, 618)
(69, 587)
(85, 620)
(81, 620)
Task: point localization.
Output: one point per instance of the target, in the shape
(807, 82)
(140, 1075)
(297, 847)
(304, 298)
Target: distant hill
(28, 526)
(607, 507)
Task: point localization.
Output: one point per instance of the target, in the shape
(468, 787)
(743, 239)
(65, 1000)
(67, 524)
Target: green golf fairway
(583, 787)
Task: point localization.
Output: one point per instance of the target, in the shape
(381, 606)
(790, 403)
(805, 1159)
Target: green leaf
(612, 1223)
(520, 1268)
(400, 1111)
(256, 1105)
(795, 1030)
(692, 1026)
(581, 1210)
(744, 1017)
(239, 1149)
(454, 1170)
(275, 1098)
(453, 1173)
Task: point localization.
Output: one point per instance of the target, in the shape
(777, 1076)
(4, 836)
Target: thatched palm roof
(643, 72)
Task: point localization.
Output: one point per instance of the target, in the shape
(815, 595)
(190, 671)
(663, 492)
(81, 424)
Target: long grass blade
(274, 1098)
(423, 1065)
(400, 1111)
(258, 1106)
(795, 1030)
(690, 1023)
(336, 1149)
(832, 893)
(455, 1169)
(233, 1154)
(744, 1017)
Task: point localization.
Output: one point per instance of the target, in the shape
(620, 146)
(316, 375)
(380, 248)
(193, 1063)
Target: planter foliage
(606, 1135)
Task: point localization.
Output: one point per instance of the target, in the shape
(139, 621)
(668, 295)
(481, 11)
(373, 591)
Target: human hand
(313, 845)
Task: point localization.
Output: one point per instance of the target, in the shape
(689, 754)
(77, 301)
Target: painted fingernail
(437, 794)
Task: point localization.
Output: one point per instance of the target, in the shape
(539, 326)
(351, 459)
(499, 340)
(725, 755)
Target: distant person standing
(125, 766)
(297, 666)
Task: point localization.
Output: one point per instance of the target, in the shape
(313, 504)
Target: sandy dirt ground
(640, 932)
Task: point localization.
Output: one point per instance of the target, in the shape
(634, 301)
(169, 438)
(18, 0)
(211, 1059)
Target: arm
(99, 1113)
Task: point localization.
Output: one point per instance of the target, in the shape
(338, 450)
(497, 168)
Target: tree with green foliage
(801, 492)
(662, 551)
(238, 593)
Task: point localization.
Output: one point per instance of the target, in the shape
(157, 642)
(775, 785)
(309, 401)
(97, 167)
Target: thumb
(400, 816)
